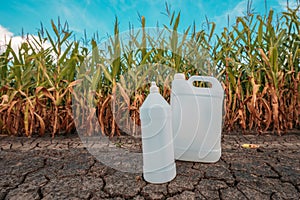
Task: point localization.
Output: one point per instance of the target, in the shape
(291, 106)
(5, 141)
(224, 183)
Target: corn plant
(260, 59)
(72, 85)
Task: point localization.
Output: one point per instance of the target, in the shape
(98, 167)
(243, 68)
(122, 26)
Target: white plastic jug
(158, 153)
(197, 118)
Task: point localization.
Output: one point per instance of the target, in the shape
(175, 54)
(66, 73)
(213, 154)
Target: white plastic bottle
(197, 118)
(157, 140)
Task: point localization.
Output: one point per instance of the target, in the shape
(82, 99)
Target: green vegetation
(257, 60)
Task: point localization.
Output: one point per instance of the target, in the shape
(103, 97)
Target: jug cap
(154, 88)
(179, 76)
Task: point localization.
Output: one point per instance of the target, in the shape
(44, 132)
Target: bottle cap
(179, 76)
(154, 88)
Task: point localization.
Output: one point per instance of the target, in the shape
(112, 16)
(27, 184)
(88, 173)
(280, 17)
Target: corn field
(257, 61)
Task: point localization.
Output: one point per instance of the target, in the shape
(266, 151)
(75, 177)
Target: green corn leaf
(107, 75)
(54, 28)
(95, 52)
(116, 67)
(260, 32)
(175, 27)
(172, 18)
(45, 73)
(52, 43)
(146, 57)
(96, 79)
(274, 59)
(66, 36)
(212, 31)
(64, 55)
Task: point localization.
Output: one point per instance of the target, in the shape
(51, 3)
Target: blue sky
(98, 15)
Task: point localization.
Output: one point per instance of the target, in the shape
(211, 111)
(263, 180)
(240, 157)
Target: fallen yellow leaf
(250, 146)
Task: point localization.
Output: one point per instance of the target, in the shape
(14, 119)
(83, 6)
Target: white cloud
(5, 36)
(4, 33)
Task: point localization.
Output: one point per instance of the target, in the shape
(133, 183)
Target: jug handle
(215, 84)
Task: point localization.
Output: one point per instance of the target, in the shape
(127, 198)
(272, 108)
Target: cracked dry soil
(62, 168)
